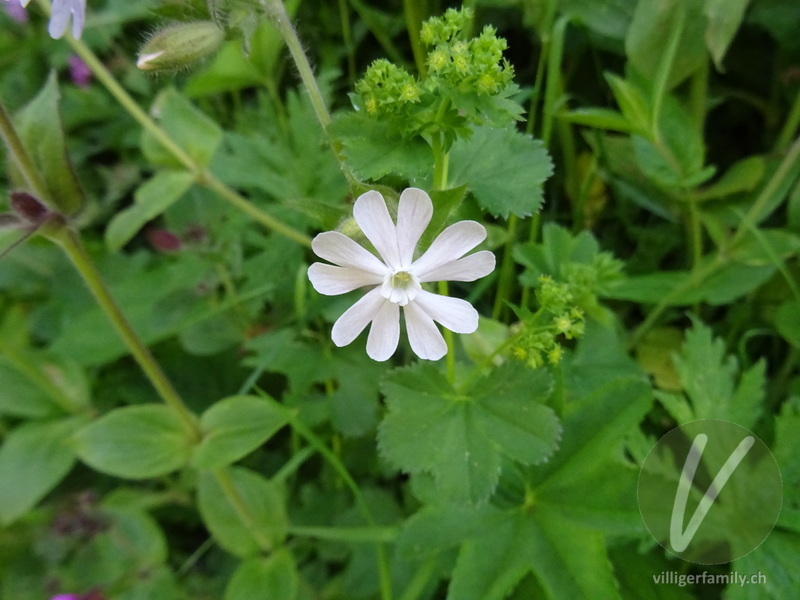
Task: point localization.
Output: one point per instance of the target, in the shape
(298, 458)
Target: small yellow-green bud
(179, 46)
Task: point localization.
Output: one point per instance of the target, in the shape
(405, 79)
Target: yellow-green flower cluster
(474, 65)
(387, 88)
(537, 337)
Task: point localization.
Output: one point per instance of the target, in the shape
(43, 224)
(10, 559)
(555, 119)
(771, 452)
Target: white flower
(397, 278)
(60, 14)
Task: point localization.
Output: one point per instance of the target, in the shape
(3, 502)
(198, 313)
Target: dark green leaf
(39, 127)
(34, 458)
(500, 415)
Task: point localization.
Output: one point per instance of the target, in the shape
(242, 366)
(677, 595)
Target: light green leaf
(774, 564)
(632, 102)
(708, 375)
(256, 498)
(654, 22)
(274, 576)
(741, 176)
(597, 118)
(186, 125)
(34, 458)
(40, 129)
(151, 199)
(135, 442)
(503, 168)
(724, 19)
(234, 427)
(500, 415)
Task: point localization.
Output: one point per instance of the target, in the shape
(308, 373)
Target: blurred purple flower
(16, 11)
(79, 71)
(66, 597)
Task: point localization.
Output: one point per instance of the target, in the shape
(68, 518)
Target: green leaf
(787, 322)
(741, 176)
(597, 118)
(500, 415)
(151, 199)
(135, 442)
(724, 19)
(774, 563)
(36, 384)
(503, 168)
(374, 149)
(632, 102)
(256, 499)
(708, 375)
(274, 576)
(724, 286)
(187, 126)
(234, 427)
(593, 429)
(654, 22)
(34, 458)
(40, 130)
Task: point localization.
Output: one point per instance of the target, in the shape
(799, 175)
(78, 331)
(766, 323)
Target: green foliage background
(636, 163)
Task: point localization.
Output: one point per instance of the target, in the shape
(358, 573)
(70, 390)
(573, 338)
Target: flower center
(400, 287)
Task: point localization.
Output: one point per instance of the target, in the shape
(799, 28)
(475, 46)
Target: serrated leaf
(135, 442)
(503, 168)
(708, 375)
(186, 125)
(500, 415)
(151, 199)
(40, 129)
(255, 496)
(373, 149)
(34, 458)
(274, 576)
(234, 427)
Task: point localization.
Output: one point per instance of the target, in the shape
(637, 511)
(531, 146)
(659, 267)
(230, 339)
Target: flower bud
(179, 46)
(29, 207)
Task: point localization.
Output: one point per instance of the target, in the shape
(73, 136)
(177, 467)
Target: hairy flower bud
(179, 46)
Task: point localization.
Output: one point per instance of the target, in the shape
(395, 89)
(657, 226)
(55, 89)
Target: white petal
(423, 335)
(455, 314)
(373, 218)
(24, 3)
(60, 14)
(356, 318)
(452, 243)
(469, 268)
(341, 250)
(413, 215)
(331, 281)
(384, 333)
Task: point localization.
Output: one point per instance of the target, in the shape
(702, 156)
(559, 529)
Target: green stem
(203, 177)
(348, 534)
(313, 440)
(790, 126)
(533, 235)
(506, 269)
(414, 25)
(208, 180)
(450, 358)
(22, 160)
(71, 244)
(663, 72)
